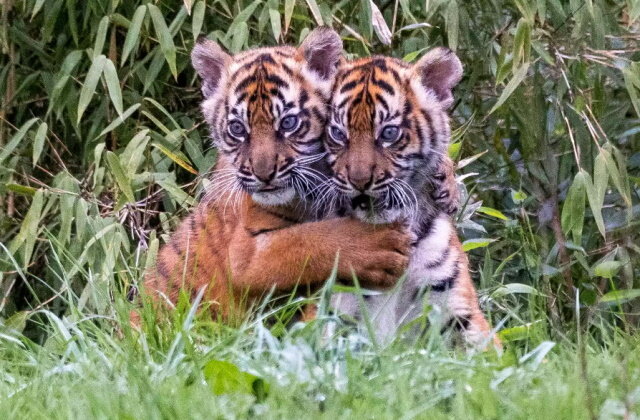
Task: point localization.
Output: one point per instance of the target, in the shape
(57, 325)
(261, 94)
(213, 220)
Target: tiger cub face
(389, 130)
(267, 108)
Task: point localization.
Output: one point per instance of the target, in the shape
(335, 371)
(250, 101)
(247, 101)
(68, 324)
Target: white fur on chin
(274, 198)
(385, 216)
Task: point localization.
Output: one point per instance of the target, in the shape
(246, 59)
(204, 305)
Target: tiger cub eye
(289, 123)
(236, 129)
(390, 133)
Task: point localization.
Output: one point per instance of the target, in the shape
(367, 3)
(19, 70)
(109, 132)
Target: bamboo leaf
(452, 24)
(187, 5)
(113, 85)
(492, 212)
(90, 84)
(607, 269)
(164, 38)
(274, 17)
(133, 34)
(289, 6)
(315, 11)
(119, 120)
(38, 142)
(177, 159)
(15, 140)
(616, 297)
(101, 36)
(518, 76)
(470, 244)
(198, 19)
(26, 237)
(572, 218)
(380, 25)
(595, 204)
(123, 181)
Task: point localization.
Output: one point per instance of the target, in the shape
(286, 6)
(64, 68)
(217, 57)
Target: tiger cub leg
(444, 187)
(462, 308)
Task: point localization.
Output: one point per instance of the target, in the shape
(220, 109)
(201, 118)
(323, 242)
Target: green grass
(100, 367)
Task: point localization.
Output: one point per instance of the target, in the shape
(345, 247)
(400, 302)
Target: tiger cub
(266, 109)
(387, 141)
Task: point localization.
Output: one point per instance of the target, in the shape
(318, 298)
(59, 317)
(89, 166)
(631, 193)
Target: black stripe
(424, 229)
(255, 233)
(348, 86)
(276, 80)
(385, 86)
(439, 261)
(245, 83)
(265, 58)
(447, 283)
(281, 216)
(458, 323)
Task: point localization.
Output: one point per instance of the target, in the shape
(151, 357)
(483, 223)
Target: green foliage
(103, 150)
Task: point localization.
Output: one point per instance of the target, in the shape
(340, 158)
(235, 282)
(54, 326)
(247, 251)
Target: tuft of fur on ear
(210, 61)
(440, 70)
(322, 50)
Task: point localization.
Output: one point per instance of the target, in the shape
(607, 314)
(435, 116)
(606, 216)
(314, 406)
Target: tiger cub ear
(440, 70)
(211, 62)
(322, 50)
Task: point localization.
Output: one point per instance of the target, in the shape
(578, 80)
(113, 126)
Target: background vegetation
(102, 151)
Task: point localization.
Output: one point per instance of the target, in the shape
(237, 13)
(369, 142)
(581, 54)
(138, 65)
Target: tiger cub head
(388, 131)
(266, 109)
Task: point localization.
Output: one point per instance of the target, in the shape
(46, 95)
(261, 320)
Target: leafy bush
(102, 147)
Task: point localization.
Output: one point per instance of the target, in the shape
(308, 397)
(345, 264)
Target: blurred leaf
(90, 84)
(274, 17)
(365, 18)
(572, 218)
(164, 38)
(518, 76)
(492, 212)
(616, 297)
(451, 19)
(101, 36)
(470, 244)
(521, 44)
(315, 11)
(38, 142)
(227, 378)
(123, 181)
(26, 237)
(289, 6)
(537, 355)
(119, 120)
(113, 85)
(607, 269)
(380, 25)
(21, 189)
(187, 5)
(596, 198)
(174, 157)
(198, 18)
(133, 34)
(413, 55)
(514, 288)
(240, 37)
(15, 140)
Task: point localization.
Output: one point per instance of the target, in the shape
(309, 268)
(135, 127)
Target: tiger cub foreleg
(439, 269)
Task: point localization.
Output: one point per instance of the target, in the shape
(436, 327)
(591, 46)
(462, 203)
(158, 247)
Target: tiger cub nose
(265, 171)
(361, 181)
